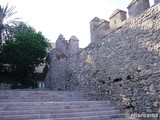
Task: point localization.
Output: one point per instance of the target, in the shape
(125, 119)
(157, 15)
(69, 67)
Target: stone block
(137, 7)
(98, 29)
(125, 51)
(73, 45)
(117, 18)
(156, 1)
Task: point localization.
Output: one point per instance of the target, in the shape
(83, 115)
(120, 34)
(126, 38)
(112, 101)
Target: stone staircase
(54, 105)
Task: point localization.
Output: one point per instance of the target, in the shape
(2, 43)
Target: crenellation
(117, 18)
(122, 67)
(98, 28)
(156, 1)
(136, 7)
(94, 23)
(62, 44)
(73, 45)
(67, 47)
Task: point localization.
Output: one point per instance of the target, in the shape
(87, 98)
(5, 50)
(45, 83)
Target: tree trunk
(0, 37)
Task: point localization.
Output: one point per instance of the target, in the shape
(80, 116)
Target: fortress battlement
(99, 28)
(67, 47)
(122, 63)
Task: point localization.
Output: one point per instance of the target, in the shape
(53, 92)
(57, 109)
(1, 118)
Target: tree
(6, 26)
(25, 50)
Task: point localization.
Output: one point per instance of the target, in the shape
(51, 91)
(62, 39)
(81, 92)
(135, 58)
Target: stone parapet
(156, 1)
(98, 29)
(66, 47)
(123, 67)
(73, 45)
(136, 7)
(117, 18)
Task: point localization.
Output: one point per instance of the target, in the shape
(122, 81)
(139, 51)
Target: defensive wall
(122, 62)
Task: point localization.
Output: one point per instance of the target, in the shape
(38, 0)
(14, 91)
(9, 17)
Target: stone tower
(62, 44)
(136, 7)
(117, 17)
(98, 29)
(73, 45)
(93, 25)
(156, 1)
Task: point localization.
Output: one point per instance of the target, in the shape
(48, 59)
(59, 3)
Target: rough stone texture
(156, 1)
(54, 105)
(136, 7)
(62, 44)
(117, 18)
(55, 57)
(73, 45)
(67, 47)
(98, 29)
(124, 67)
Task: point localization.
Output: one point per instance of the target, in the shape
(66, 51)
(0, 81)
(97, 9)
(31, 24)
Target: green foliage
(25, 50)
(5, 24)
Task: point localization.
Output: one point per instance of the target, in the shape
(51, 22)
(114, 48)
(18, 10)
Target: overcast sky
(67, 17)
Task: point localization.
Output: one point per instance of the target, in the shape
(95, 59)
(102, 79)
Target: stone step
(41, 96)
(124, 119)
(54, 103)
(5, 108)
(28, 92)
(40, 100)
(7, 95)
(102, 117)
(23, 112)
(61, 115)
(38, 95)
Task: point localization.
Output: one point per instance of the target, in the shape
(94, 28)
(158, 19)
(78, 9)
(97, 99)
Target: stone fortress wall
(122, 62)
(99, 28)
(57, 59)
(67, 47)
